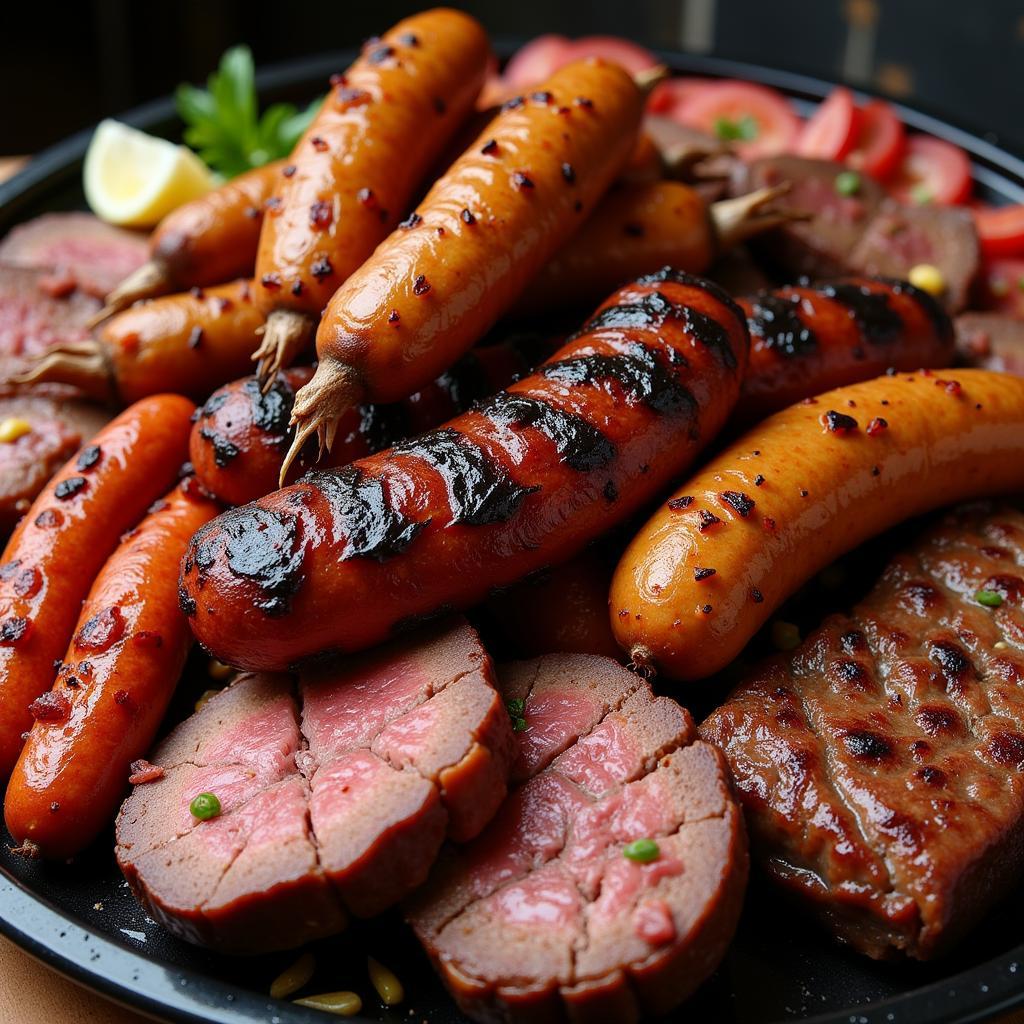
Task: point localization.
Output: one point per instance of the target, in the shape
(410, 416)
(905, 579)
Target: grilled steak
(991, 341)
(336, 794)
(881, 764)
(543, 917)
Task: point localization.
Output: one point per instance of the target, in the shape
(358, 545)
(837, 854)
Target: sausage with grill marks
(525, 479)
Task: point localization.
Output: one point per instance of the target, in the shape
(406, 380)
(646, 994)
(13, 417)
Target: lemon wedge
(134, 179)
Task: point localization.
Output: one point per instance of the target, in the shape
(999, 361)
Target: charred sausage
(189, 343)
(805, 340)
(205, 242)
(437, 284)
(242, 432)
(57, 549)
(112, 689)
(524, 480)
(354, 172)
(794, 493)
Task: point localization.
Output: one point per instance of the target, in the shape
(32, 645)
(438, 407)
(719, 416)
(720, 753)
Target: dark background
(64, 66)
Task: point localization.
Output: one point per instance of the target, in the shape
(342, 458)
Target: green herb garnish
(222, 122)
(989, 598)
(641, 850)
(742, 130)
(205, 806)
(517, 712)
(847, 183)
(921, 194)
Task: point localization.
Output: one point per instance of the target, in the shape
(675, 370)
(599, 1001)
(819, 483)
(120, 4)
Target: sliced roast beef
(991, 341)
(881, 764)
(544, 916)
(901, 237)
(336, 793)
(77, 249)
(819, 246)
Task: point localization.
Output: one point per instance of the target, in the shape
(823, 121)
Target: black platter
(82, 920)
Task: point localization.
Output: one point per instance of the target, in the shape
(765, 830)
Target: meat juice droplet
(50, 707)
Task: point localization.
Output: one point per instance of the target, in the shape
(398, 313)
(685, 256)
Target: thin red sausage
(57, 549)
(112, 688)
(524, 480)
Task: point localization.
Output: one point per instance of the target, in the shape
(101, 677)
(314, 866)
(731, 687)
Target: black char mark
(271, 412)
(580, 445)
(716, 291)
(363, 514)
(775, 319)
(648, 314)
(712, 335)
(224, 451)
(381, 426)
(480, 492)
(465, 382)
(877, 321)
(932, 307)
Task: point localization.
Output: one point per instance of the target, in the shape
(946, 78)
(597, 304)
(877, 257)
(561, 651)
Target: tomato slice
(1002, 286)
(671, 97)
(1000, 229)
(878, 146)
(536, 60)
(759, 121)
(932, 171)
(831, 130)
(623, 52)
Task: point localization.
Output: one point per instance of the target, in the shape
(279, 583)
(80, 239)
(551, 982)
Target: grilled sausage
(189, 343)
(353, 173)
(57, 549)
(437, 284)
(242, 432)
(524, 480)
(805, 340)
(794, 493)
(207, 241)
(112, 687)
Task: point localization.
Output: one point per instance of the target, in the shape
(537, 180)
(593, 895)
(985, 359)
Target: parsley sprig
(222, 121)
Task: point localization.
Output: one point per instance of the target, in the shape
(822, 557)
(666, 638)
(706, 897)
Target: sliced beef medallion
(881, 764)
(991, 341)
(336, 793)
(610, 882)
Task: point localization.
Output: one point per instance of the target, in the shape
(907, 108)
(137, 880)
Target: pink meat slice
(78, 248)
(337, 791)
(542, 916)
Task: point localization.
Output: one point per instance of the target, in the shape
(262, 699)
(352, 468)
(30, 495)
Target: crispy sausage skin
(352, 175)
(112, 688)
(439, 282)
(794, 493)
(805, 340)
(523, 480)
(189, 343)
(205, 242)
(242, 432)
(57, 549)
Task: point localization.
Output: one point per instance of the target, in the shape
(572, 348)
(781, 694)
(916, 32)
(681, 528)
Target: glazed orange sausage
(205, 242)
(58, 547)
(112, 689)
(439, 282)
(352, 175)
(805, 340)
(242, 432)
(189, 343)
(523, 480)
(794, 493)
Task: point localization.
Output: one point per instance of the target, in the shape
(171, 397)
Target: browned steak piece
(543, 917)
(881, 764)
(336, 793)
(901, 237)
(991, 341)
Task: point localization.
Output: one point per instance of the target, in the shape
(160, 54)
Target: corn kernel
(219, 671)
(12, 428)
(928, 278)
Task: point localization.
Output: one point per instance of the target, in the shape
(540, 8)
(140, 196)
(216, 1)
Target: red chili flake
(148, 639)
(54, 806)
(352, 97)
(877, 426)
(253, 212)
(102, 631)
(88, 457)
(851, 404)
(296, 288)
(738, 502)
(367, 198)
(28, 582)
(758, 480)
(707, 519)
(611, 492)
(381, 54)
(273, 205)
(72, 683)
(196, 292)
(321, 214)
(684, 502)
(568, 173)
(489, 148)
(421, 285)
(702, 574)
(195, 337)
(223, 304)
(756, 596)
(50, 707)
(411, 221)
(318, 144)
(804, 493)
(69, 487)
(839, 422)
(439, 105)
(633, 229)
(271, 281)
(440, 232)
(85, 668)
(977, 405)
(49, 518)
(768, 523)
(706, 609)
(288, 170)
(516, 101)
(952, 387)
(321, 268)
(14, 630)
(142, 772)
(521, 180)
(875, 471)
(336, 80)
(121, 697)
(394, 316)
(542, 97)
(467, 216)
(583, 101)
